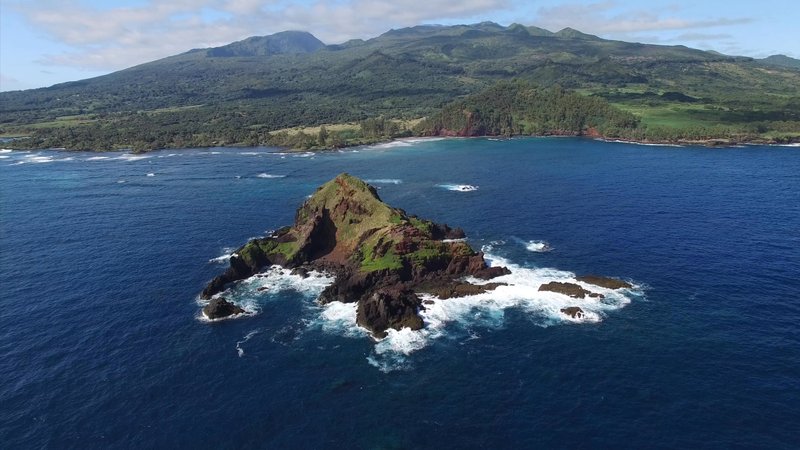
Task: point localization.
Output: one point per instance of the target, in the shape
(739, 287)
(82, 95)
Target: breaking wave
(462, 315)
(458, 187)
(456, 318)
(130, 157)
(538, 246)
(270, 176)
(224, 258)
(384, 181)
(250, 293)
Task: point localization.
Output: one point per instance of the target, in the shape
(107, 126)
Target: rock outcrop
(606, 282)
(573, 311)
(380, 256)
(571, 289)
(219, 307)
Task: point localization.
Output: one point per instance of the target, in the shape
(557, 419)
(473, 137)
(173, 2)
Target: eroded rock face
(219, 307)
(392, 307)
(380, 255)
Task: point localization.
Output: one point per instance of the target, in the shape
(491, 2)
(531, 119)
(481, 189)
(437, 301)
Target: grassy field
(343, 127)
(678, 115)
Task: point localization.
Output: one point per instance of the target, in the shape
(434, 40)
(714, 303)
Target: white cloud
(608, 18)
(117, 37)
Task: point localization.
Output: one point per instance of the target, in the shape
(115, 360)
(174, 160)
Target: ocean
(103, 255)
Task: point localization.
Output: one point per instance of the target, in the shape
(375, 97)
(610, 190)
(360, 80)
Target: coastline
(719, 143)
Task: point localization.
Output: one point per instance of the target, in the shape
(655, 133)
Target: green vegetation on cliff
(520, 108)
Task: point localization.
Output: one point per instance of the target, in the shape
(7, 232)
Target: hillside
(239, 93)
(782, 61)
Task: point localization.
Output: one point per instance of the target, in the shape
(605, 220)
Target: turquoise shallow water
(103, 255)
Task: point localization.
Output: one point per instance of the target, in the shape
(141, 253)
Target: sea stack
(380, 256)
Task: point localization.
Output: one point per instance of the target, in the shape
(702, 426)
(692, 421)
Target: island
(380, 257)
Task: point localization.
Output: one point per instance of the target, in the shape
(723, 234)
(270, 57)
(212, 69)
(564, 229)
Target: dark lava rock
(301, 271)
(457, 289)
(262, 289)
(392, 307)
(219, 307)
(378, 254)
(606, 282)
(571, 289)
(573, 311)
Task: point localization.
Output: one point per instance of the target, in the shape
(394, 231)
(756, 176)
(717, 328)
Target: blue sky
(43, 42)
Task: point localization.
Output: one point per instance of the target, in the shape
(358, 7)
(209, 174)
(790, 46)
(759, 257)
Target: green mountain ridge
(781, 61)
(239, 93)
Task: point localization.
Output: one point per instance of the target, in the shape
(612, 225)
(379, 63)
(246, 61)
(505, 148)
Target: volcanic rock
(219, 307)
(573, 311)
(392, 307)
(571, 289)
(380, 255)
(606, 282)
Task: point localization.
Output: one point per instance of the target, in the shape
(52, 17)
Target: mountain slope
(286, 42)
(781, 61)
(237, 93)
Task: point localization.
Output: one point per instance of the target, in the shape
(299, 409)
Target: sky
(44, 42)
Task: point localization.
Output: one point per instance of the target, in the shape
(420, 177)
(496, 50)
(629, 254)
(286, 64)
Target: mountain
(241, 92)
(570, 33)
(781, 61)
(287, 42)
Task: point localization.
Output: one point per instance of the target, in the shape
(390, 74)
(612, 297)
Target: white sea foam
(388, 145)
(5, 150)
(340, 318)
(796, 144)
(538, 246)
(458, 187)
(130, 157)
(97, 158)
(4, 157)
(267, 175)
(487, 310)
(422, 139)
(249, 153)
(227, 252)
(384, 181)
(151, 174)
(37, 159)
(250, 293)
(647, 144)
(239, 349)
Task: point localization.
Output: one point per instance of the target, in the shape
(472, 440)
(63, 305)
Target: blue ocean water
(102, 257)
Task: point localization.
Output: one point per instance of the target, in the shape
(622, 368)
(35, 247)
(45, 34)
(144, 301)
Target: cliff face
(380, 255)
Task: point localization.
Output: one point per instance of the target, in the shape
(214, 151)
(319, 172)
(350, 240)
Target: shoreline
(718, 143)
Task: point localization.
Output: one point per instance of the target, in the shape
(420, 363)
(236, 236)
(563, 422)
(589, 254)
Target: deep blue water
(101, 347)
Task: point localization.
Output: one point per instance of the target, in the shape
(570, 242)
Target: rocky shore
(380, 257)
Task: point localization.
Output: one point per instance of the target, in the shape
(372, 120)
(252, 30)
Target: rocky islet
(380, 257)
